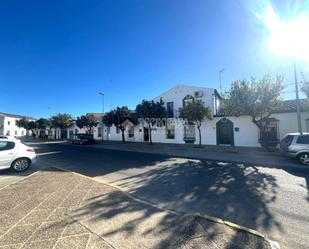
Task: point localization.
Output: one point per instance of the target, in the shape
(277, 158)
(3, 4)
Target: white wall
(247, 134)
(9, 125)
(178, 93)
(288, 122)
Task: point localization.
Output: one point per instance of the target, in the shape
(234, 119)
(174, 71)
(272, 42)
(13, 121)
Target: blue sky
(55, 56)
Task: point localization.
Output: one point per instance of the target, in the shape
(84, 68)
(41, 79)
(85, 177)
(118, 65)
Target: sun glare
(287, 37)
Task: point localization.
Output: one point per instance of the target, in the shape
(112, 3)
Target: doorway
(225, 132)
(146, 134)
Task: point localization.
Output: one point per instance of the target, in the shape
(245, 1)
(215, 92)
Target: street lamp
(102, 94)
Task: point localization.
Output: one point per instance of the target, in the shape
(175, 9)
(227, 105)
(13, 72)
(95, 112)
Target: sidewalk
(84, 213)
(249, 155)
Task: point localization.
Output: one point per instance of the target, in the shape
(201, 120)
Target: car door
(7, 153)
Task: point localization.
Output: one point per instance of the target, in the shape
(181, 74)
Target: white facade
(180, 93)
(241, 130)
(99, 132)
(245, 132)
(8, 125)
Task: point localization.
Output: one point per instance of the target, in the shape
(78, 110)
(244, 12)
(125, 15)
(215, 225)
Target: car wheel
(304, 158)
(21, 164)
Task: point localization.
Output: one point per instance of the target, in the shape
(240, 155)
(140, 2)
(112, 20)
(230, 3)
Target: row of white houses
(221, 130)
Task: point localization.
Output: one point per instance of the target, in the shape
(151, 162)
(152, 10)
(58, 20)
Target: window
(22, 133)
(8, 133)
(16, 133)
(198, 94)
(117, 130)
(170, 109)
(4, 145)
(9, 122)
(303, 140)
(189, 132)
(170, 133)
(288, 140)
(131, 132)
(187, 99)
(269, 130)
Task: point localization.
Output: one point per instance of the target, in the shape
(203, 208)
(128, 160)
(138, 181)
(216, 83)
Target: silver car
(15, 155)
(296, 146)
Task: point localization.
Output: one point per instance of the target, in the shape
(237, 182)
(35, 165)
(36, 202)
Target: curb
(234, 226)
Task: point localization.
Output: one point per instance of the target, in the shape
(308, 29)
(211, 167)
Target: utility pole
(220, 78)
(102, 94)
(297, 101)
(220, 85)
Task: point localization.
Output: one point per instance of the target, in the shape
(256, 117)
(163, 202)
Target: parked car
(296, 146)
(8, 137)
(15, 155)
(83, 139)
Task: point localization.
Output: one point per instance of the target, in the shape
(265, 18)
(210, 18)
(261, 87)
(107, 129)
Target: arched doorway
(225, 132)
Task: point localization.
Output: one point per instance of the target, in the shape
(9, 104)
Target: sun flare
(288, 37)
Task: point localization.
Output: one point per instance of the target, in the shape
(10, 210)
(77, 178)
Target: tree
(117, 117)
(42, 124)
(256, 98)
(26, 124)
(87, 121)
(62, 121)
(23, 123)
(150, 112)
(305, 87)
(196, 112)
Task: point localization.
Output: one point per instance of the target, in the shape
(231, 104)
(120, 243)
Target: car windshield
(288, 139)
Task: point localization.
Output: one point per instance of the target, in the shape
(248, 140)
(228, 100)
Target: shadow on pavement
(237, 192)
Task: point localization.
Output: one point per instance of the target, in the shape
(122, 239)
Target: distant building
(8, 124)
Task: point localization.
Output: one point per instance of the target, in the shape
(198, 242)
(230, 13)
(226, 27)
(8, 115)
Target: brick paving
(57, 209)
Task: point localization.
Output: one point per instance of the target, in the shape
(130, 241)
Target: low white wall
(246, 134)
(288, 122)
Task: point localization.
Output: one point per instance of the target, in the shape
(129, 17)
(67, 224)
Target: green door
(225, 132)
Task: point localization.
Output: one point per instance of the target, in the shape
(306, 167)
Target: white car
(15, 155)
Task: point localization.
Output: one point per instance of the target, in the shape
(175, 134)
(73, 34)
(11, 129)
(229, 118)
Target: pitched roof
(186, 86)
(15, 116)
(287, 106)
(290, 106)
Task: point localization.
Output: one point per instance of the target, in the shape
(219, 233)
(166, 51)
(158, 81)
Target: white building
(175, 98)
(8, 124)
(221, 130)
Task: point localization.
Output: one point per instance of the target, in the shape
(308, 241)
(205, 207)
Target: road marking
(48, 153)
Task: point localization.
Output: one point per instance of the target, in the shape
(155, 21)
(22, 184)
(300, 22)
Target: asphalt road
(272, 200)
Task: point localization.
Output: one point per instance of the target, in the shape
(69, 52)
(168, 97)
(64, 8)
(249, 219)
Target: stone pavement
(57, 209)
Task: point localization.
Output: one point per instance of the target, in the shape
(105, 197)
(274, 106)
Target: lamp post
(220, 78)
(297, 100)
(102, 94)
